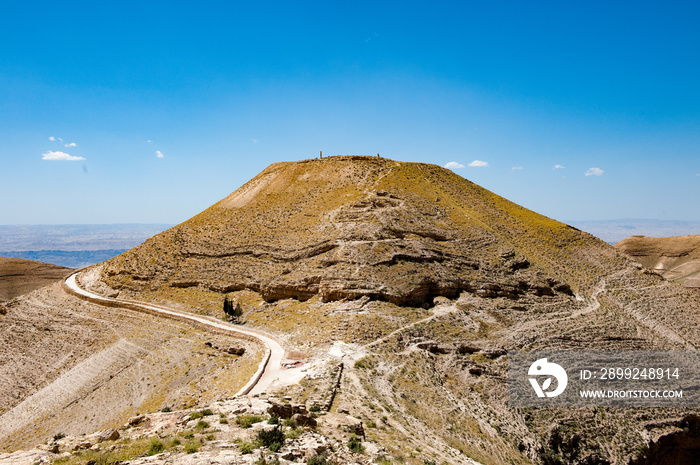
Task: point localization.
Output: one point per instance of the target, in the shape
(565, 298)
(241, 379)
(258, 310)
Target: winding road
(270, 368)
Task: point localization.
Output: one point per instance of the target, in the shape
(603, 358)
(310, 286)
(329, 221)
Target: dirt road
(270, 368)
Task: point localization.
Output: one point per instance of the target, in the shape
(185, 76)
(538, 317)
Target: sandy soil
(18, 276)
(69, 366)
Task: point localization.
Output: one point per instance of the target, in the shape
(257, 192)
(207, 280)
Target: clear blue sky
(222, 89)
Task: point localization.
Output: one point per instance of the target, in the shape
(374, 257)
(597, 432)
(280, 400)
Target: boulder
(304, 420)
(494, 352)
(108, 435)
(286, 410)
(236, 350)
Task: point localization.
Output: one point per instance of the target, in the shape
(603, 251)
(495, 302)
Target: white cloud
(160, 154)
(558, 167)
(72, 144)
(517, 168)
(453, 165)
(149, 141)
(478, 164)
(594, 172)
(52, 138)
(59, 156)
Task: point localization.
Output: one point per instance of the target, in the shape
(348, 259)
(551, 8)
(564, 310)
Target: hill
(348, 227)
(676, 258)
(344, 254)
(406, 286)
(19, 276)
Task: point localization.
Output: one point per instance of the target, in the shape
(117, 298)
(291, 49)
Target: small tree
(232, 311)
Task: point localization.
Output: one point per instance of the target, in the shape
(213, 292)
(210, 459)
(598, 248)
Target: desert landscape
(395, 291)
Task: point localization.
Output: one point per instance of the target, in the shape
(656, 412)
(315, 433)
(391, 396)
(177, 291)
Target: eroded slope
(676, 258)
(347, 227)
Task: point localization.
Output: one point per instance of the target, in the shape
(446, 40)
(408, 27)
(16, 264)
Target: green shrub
(201, 424)
(192, 446)
(355, 445)
(223, 421)
(246, 448)
(371, 424)
(315, 408)
(273, 438)
(166, 409)
(273, 420)
(294, 433)
(176, 442)
(363, 363)
(58, 436)
(232, 311)
(206, 412)
(246, 421)
(155, 446)
(319, 459)
(289, 422)
(196, 415)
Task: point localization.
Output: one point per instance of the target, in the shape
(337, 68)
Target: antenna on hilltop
(320, 154)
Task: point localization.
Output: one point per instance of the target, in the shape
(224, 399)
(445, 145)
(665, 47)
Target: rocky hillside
(675, 258)
(406, 286)
(349, 227)
(18, 276)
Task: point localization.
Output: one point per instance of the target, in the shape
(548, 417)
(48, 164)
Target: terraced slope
(348, 227)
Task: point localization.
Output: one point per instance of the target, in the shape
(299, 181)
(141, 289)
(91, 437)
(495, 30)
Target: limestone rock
(108, 435)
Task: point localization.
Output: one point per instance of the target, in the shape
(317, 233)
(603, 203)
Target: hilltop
(676, 258)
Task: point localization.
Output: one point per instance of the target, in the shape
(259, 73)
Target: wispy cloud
(517, 168)
(594, 172)
(558, 167)
(71, 144)
(59, 156)
(478, 164)
(255, 141)
(52, 138)
(453, 165)
(160, 154)
(149, 141)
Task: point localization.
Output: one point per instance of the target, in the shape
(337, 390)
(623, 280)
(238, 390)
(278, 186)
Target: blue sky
(172, 106)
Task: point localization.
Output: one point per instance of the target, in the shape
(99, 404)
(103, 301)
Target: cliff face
(348, 227)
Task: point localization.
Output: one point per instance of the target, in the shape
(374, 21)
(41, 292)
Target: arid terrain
(400, 286)
(675, 258)
(18, 276)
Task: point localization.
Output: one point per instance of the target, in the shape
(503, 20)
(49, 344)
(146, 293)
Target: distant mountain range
(73, 246)
(613, 231)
